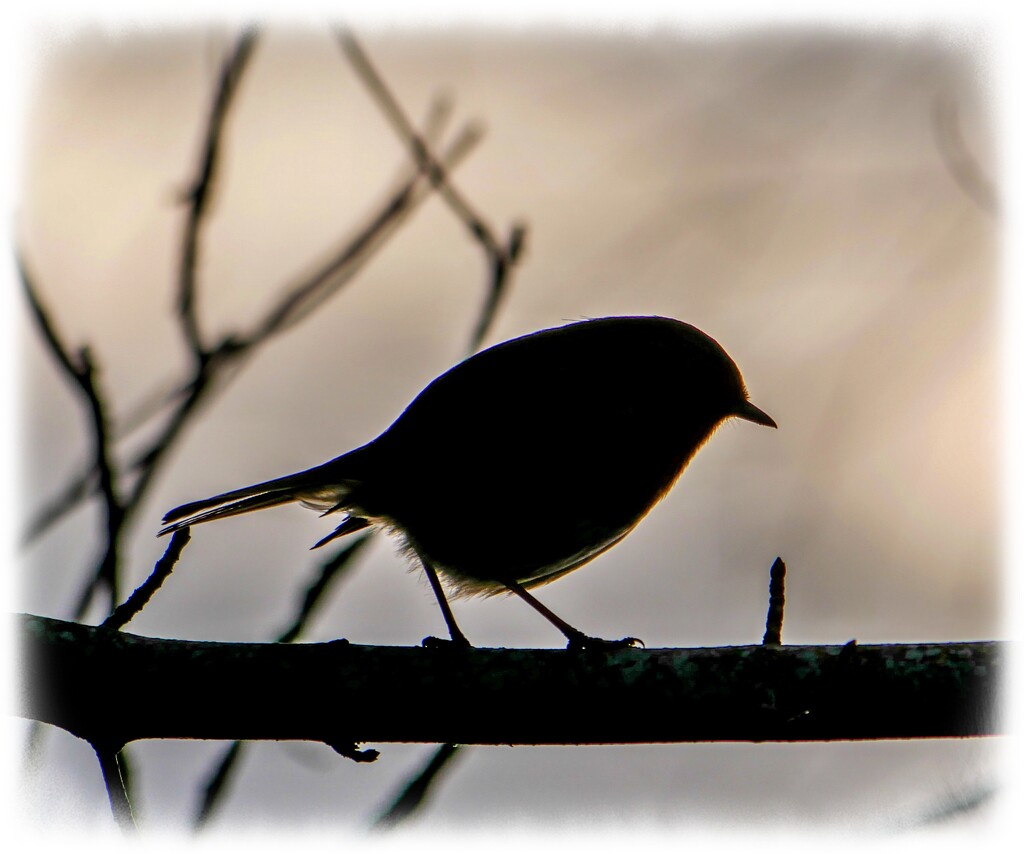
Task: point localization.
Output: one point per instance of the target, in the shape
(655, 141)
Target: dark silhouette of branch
(200, 192)
(294, 306)
(81, 371)
(214, 363)
(776, 604)
(330, 571)
(112, 688)
(212, 791)
(123, 613)
(114, 510)
(158, 399)
(501, 257)
(415, 791)
(116, 786)
(297, 302)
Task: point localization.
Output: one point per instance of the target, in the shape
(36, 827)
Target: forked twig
(81, 371)
(501, 256)
(199, 194)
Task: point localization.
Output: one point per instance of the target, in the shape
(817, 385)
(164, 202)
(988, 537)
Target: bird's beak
(748, 412)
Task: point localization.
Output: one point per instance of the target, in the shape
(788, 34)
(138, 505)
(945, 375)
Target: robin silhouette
(527, 460)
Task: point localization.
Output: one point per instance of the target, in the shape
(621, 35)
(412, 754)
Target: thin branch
(114, 509)
(211, 362)
(216, 784)
(330, 572)
(46, 326)
(127, 610)
(962, 165)
(501, 256)
(112, 688)
(81, 486)
(234, 348)
(501, 265)
(414, 793)
(297, 303)
(117, 791)
(81, 371)
(421, 153)
(202, 186)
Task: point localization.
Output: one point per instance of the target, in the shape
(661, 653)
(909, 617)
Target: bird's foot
(459, 642)
(581, 642)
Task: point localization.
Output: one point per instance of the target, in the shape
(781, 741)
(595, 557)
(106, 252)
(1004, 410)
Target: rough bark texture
(111, 688)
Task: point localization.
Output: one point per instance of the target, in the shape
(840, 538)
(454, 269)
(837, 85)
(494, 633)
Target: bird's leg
(577, 640)
(458, 638)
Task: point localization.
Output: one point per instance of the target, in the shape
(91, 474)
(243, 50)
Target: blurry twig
(962, 165)
(298, 301)
(177, 403)
(501, 256)
(415, 791)
(330, 571)
(81, 371)
(296, 304)
(214, 787)
(81, 486)
(199, 194)
(117, 791)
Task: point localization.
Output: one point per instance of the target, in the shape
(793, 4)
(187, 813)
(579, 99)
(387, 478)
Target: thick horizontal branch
(112, 687)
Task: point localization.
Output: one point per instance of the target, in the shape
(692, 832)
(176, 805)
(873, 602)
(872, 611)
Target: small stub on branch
(776, 604)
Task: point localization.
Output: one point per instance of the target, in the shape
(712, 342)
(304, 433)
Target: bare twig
(200, 192)
(330, 572)
(82, 485)
(117, 791)
(114, 510)
(46, 326)
(212, 791)
(501, 256)
(501, 265)
(124, 612)
(81, 372)
(962, 165)
(211, 361)
(776, 604)
(299, 301)
(296, 304)
(415, 791)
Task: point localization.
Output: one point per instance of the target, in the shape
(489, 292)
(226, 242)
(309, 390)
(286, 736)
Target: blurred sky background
(790, 191)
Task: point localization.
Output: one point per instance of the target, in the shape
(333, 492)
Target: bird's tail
(324, 488)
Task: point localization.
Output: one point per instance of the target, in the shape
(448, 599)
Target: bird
(526, 460)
